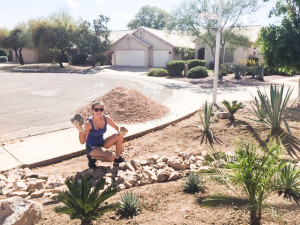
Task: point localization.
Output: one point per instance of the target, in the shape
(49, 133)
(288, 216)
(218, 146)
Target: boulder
(54, 181)
(162, 175)
(126, 176)
(18, 211)
(36, 184)
(2, 177)
(162, 159)
(20, 185)
(22, 194)
(174, 176)
(136, 165)
(37, 194)
(177, 163)
(128, 166)
(98, 173)
(151, 176)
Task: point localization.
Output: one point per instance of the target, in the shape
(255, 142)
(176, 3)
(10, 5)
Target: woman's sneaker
(92, 162)
(118, 160)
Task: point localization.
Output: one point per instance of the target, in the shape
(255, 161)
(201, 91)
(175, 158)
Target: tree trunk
(255, 216)
(19, 55)
(93, 60)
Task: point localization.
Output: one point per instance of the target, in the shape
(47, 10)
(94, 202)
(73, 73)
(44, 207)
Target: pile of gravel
(128, 106)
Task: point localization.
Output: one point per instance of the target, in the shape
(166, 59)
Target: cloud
(101, 2)
(125, 15)
(73, 4)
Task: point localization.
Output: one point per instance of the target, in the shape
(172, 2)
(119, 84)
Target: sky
(120, 12)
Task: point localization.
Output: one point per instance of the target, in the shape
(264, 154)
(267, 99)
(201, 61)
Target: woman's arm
(84, 133)
(112, 123)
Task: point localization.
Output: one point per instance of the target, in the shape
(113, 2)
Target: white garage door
(160, 57)
(130, 57)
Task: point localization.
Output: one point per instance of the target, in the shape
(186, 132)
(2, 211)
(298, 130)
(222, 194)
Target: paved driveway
(34, 103)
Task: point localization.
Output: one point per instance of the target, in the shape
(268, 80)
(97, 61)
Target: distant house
(147, 47)
(202, 51)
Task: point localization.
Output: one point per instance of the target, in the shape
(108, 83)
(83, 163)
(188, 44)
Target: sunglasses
(98, 109)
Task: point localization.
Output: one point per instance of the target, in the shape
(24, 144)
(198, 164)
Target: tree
(93, 38)
(280, 45)
(16, 39)
(186, 18)
(55, 33)
(150, 16)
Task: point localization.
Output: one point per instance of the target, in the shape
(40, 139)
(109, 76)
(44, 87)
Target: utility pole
(217, 53)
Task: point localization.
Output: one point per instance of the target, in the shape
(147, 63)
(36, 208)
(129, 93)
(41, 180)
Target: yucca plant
(193, 184)
(233, 108)
(273, 107)
(206, 121)
(82, 202)
(288, 182)
(129, 205)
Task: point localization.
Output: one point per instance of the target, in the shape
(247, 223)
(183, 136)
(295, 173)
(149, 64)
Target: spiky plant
(233, 108)
(257, 110)
(288, 182)
(273, 106)
(129, 205)
(193, 184)
(206, 121)
(82, 202)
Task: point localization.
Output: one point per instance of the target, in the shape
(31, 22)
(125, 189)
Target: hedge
(3, 59)
(195, 62)
(3, 52)
(197, 72)
(158, 72)
(175, 68)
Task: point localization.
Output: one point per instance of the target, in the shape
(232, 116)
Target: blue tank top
(95, 137)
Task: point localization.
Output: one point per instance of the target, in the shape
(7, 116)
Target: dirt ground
(166, 203)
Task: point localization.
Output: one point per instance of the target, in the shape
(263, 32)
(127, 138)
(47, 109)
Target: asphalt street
(35, 103)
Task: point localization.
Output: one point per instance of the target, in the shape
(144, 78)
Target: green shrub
(206, 121)
(233, 108)
(83, 202)
(270, 110)
(195, 62)
(193, 184)
(226, 69)
(175, 68)
(3, 52)
(79, 59)
(158, 72)
(129, 205)
(3, 59)
(197, 72)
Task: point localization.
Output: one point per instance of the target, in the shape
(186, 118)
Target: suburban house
(149, 47)
(233, 57)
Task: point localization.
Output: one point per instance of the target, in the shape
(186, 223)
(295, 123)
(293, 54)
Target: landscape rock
(121, 187)
(2, 184)
(162, 176)
(37, 194)
(128, 166)
(126, 176)
(22, 194)
(174, 176)
(151, 176)
(36, 184)
(177, 163)
(18, 211)
(98, 173)
(4, 178)
(162, 159)
(20, 185)
(54, 181)
(136, 165)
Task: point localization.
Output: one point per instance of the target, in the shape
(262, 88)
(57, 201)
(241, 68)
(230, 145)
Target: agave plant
(288, 182)
(206, 122)
(193, 184)
(232, 109)
(82, 202)
(270, 110)
(129, 205)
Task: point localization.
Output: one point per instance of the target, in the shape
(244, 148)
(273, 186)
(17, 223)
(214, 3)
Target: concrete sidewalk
(56, 146)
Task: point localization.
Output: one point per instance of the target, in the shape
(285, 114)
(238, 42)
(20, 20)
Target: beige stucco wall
(240, 53)
(29, 55)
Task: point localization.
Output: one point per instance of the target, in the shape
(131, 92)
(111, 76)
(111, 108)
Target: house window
(128, 39)
(141, 33)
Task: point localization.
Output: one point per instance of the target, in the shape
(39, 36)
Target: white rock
(204, 153)
(4, 178)
(2, 184)
(55, 181)
(36, 184)
(22, 194)
(162, 159)
(126, 176)
(177, 163)
(161, 165)
(128, 185)
(20, 211)
(151, 176)
(174, 176)
(128, 166)
(199, 157)
(154, 157)
(37, 194)
(122, 165)
(6, 190)
(144, 181)
(20, 185)
(162, 176)
(136, 165)
(144, 162)
(121, 187)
